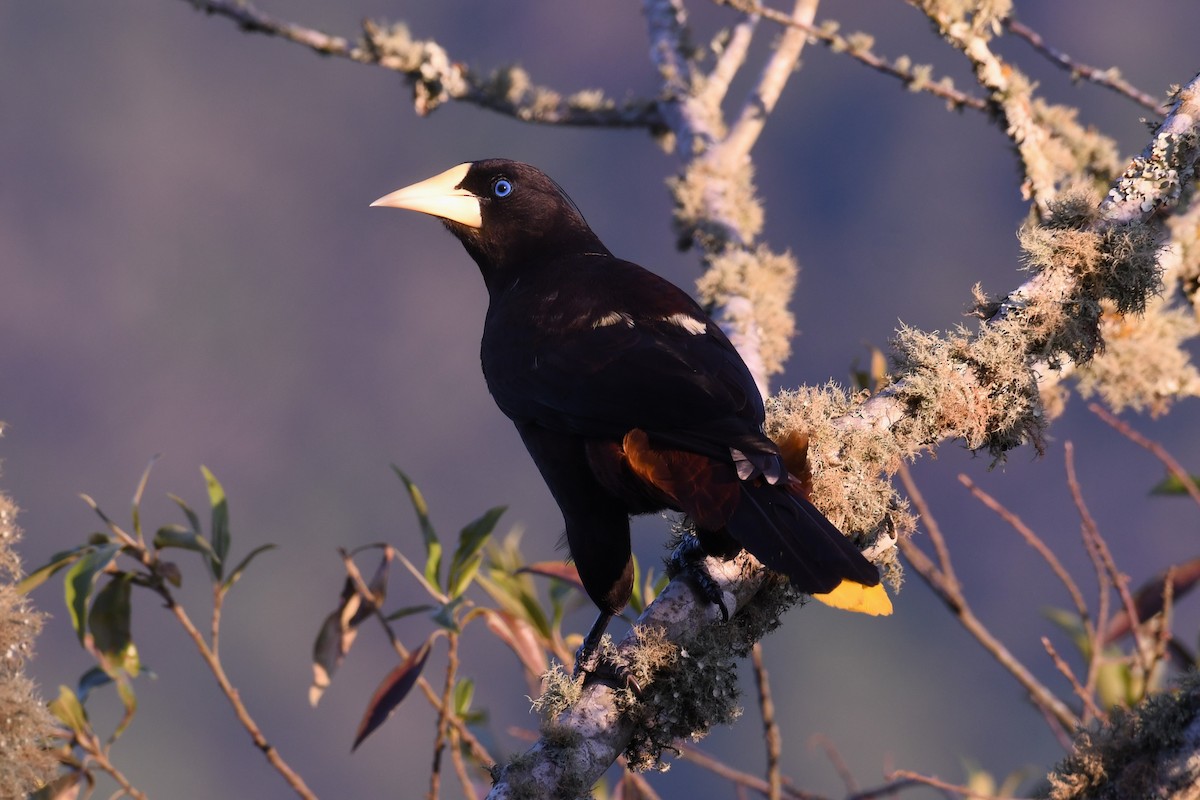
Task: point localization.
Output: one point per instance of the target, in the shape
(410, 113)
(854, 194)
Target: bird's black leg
(595, 668)
(587, 658)
(688, 558)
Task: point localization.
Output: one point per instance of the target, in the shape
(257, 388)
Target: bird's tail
(789, 535)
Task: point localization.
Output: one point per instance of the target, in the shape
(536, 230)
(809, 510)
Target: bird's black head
(508, 215)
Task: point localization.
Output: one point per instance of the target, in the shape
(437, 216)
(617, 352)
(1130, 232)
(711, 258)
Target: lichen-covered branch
(26, 761)
(436, 77)
(983, 386)
(859, 46)
(1109, 78)
(686, 662)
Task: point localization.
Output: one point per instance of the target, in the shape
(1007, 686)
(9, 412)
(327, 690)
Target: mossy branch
(436, 78)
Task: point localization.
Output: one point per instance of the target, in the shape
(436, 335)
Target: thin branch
(951, 595)
(835, 758)
(460, 765)
(445, 711)
(945, 566)
(1090, 709)
(1034, 541)
(436, 77)
(691, 753)
(1155, 448)
(214, 665)
(771, 735)
(963, 791)
(1108, 78)
(827, 35)
(1120, 581)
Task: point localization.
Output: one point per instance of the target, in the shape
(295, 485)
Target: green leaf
(67, 709)
(56, 562)
(1171, 485)
(109, 622)
(1073, 626)
(94, 678)
(129, 703)
(408, 611)
(468, 555)
(137, 499)
(433, 547)
(464, 691)
(220, 521)
(80, 580)
(178, 536)
(444, 616)
(245, 562)
(192, 517)
(391, 691)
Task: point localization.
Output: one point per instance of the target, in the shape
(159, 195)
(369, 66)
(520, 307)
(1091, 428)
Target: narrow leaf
(1171, 485)
(67, 709)
(555, 569)
(521, 638)
(192, 517)
(94, 678)
(129, 703)
(220, 521)
(433, 547)
(137, 499)
(391, 691)
(179, 536)
(245, 562)
(464, 691)
(408, 611)
(56, 562)
(337, 634)
(80, 580)
(468, 555)
(109, 622)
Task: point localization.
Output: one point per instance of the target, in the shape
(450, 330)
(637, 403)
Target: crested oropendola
(627, 395)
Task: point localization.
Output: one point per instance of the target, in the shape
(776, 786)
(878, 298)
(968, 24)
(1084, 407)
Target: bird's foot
(597, 667)
(688, 558)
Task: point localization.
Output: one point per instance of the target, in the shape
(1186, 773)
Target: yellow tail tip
(851, 596)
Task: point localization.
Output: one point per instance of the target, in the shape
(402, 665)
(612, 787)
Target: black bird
(627, 395)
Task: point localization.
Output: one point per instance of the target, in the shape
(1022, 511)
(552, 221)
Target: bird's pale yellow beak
(439, 196)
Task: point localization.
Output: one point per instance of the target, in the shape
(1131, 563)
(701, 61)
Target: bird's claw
(688, 558)
(596, 668)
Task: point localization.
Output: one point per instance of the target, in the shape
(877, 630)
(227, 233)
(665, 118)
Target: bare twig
(1120, 581)
(1155, 448)
(1090, 709)
(691, 753)
(1034, 541)
(292, 778)
(445, 711)
(835, 758)
(945, 566)
(951, 595)
(962, 791)
(770, 729)
(1108, 78)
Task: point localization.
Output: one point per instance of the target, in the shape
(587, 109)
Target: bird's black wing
(614, 347)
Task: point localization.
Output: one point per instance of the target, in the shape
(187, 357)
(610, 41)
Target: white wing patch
(613, 318)
(690, 324)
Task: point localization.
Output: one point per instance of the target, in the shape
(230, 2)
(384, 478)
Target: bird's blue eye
(502, 188)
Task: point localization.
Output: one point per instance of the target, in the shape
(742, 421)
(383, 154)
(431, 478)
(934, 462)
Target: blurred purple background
(190, 268)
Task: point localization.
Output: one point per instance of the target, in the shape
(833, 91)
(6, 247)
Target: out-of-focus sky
(188, 267)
